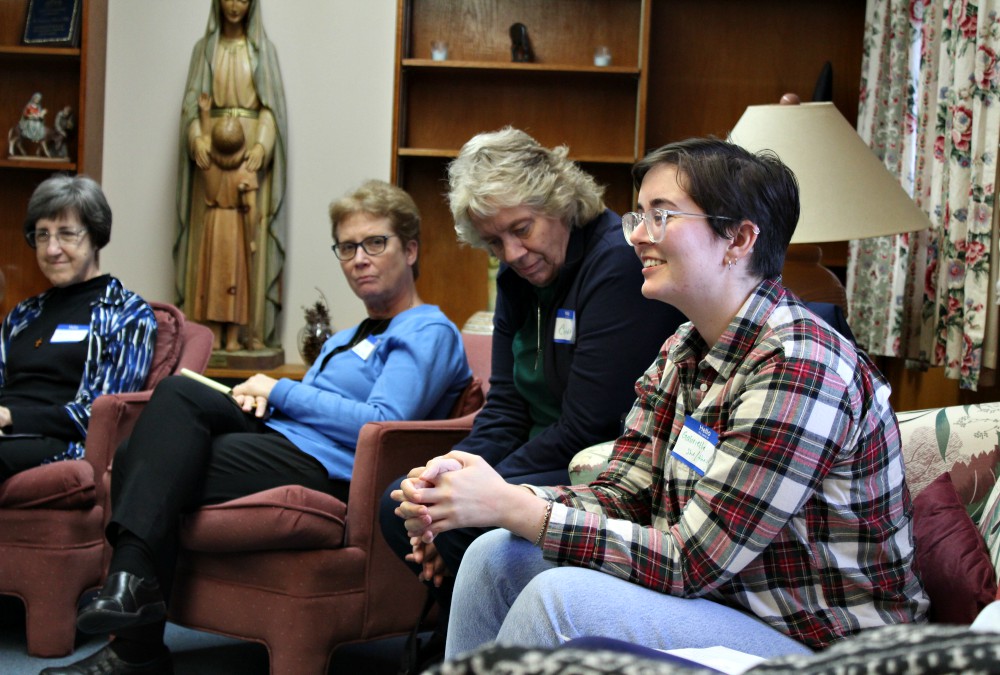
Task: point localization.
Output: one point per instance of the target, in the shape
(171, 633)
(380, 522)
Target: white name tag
(565, 326)
(365, 348)
(69, 332)
(695, 445)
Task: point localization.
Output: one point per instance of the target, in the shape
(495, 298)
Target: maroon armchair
(301, 572)
(52, 546)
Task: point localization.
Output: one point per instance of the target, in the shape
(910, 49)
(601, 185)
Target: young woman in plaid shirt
(756, 499)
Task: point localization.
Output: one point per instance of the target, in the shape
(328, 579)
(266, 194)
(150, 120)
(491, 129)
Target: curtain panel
(930, 109)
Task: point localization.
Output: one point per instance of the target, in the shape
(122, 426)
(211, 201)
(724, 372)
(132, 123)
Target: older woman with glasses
(756, 499)
(571, 331)
(85, 336)
(194, 446)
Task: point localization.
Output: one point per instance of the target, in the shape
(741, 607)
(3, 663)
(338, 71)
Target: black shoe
(106, 662)
(125, 601)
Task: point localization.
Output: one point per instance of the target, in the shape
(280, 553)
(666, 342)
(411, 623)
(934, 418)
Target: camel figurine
(49, 142)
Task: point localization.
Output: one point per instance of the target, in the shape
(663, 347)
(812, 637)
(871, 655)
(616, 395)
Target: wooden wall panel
(710, 59)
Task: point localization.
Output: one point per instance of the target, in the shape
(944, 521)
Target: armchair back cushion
(170, 324)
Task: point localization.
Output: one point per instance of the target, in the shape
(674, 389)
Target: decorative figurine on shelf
(48, 142)
(520, 45)
(32, 124)
(31, 127)
(236, 65)
(54, 144)
(227, 247)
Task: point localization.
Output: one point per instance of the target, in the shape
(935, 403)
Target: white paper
(723, 659)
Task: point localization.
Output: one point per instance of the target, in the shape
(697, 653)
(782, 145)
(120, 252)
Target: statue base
(258, 359)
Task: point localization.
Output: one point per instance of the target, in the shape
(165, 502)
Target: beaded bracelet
(545, 523)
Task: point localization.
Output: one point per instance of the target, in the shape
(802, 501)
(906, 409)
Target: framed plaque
(53, 22)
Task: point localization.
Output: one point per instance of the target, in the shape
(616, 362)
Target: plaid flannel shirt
(802, 516)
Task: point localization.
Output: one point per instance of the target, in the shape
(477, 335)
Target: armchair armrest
(386, 451)
(112, 417)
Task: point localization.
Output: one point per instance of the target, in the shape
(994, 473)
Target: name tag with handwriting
(695, 445)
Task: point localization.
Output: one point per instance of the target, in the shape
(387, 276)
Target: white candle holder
(602, 56)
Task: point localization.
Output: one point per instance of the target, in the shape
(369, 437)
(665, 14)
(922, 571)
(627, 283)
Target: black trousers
(193, 446)
(451, 545)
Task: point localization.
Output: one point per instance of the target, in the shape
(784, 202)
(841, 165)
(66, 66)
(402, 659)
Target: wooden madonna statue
(231, 185)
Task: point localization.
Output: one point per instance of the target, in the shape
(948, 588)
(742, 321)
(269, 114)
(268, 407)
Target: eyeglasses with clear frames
(374, 245)
(656, 222)
(63, 237)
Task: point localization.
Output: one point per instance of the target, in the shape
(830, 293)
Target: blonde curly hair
(508, 168)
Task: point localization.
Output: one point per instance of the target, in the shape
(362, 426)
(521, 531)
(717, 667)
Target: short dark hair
(62, 194)
(725, 179)
(382, 200)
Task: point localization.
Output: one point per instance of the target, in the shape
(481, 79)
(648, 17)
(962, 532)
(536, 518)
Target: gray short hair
(62, 194)
(508, 168)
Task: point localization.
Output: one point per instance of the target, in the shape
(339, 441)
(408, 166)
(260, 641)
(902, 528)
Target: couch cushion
(589, 463)
(287, 517)
(59, 485)
(951, 556)
(989, 527)
(960, 439)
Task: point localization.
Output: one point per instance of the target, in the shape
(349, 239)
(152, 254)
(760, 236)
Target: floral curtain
(930, 108)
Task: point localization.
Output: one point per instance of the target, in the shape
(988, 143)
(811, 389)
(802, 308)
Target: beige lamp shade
(845, 191)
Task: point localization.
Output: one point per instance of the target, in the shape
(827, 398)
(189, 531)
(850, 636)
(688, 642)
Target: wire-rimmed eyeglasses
(374, 245)
(63, 237)
(656, 222)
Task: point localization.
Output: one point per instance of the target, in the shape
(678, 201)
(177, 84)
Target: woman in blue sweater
(193, 446)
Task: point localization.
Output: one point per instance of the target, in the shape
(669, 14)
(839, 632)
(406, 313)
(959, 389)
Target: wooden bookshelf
(561, 98)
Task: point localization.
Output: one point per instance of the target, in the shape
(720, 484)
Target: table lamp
(845, 190)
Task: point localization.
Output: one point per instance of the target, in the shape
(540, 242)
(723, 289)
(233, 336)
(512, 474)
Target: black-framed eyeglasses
(374, 245)
(656, 222)
(63, 237)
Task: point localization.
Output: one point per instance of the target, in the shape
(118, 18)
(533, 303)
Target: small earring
(729, 264)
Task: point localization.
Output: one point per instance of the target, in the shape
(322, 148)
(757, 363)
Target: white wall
(336, 60)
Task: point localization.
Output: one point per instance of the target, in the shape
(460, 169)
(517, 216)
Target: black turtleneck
(45, 361)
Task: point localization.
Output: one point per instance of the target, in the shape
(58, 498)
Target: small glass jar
(439, 50)
(602, 56)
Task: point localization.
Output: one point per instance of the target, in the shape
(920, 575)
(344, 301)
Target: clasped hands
(456, 490)
(430, 497)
